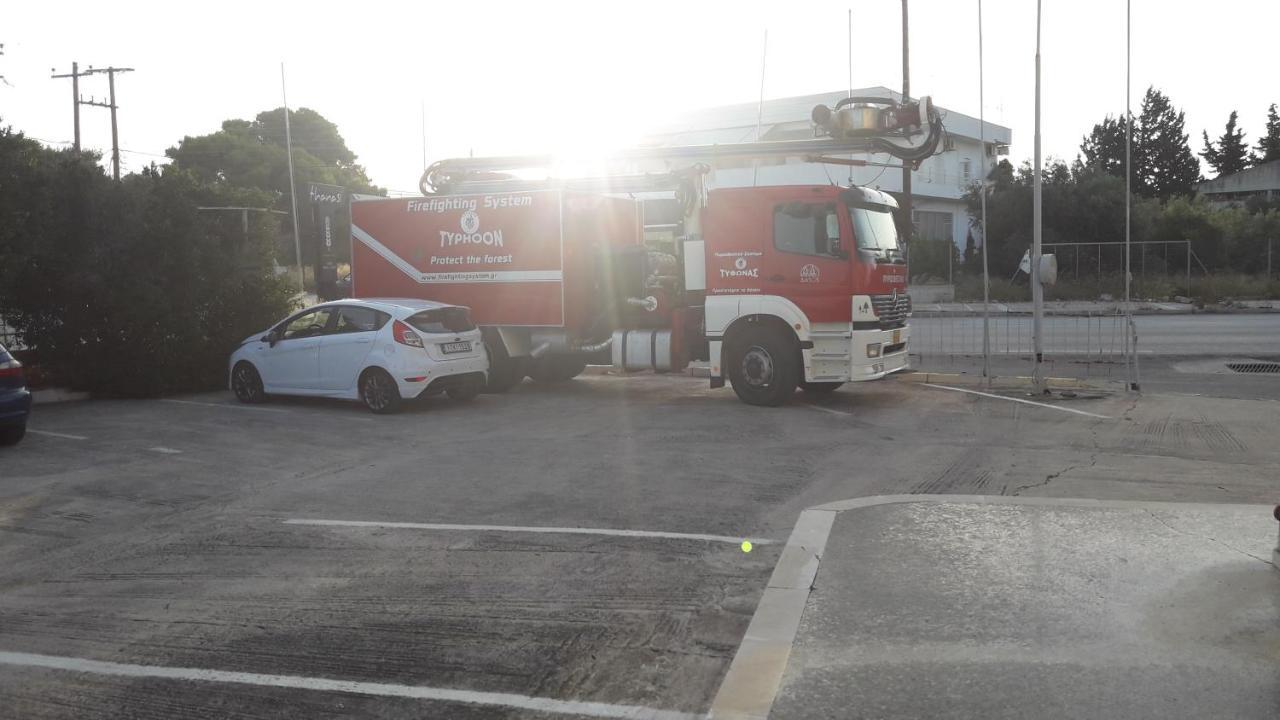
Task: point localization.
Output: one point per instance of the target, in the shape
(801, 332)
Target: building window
(966, 171)
(932, 225)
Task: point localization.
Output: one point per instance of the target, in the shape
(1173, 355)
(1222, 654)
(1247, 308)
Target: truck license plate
(897, 336)
(455, 347)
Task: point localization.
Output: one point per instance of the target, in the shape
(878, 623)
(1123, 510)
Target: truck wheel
(820, 388)
(504, 370)
(556, 368)
(466, 391)
(379, 392)
(763, 366)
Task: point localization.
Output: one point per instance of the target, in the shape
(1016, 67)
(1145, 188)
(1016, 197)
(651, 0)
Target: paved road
(137, 535)
(1227, 335)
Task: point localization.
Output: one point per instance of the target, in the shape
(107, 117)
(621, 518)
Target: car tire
(12, 434)
(556, 368)
(504, 370)
(378, 392)
(820, 388)
(763, 365)
(465, 392)
(246, 383)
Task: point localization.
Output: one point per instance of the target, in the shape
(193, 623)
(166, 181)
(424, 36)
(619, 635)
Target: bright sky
(502, 77)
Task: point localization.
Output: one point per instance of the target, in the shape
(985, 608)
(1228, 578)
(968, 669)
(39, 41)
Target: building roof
(789, 118)
(1257, 179)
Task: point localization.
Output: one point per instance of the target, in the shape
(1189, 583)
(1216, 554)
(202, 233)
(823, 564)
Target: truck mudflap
(847, 355)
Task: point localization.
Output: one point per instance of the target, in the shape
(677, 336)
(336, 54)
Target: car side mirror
(271, 338)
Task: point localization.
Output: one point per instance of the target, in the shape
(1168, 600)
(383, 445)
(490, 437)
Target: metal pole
(851, 80)
(1188, 242)
(764, 58)
(1128, 179)
(982, 179)
(75, 100)
(293, 193)
(1037, 290)
(115, 136)
(908, 216)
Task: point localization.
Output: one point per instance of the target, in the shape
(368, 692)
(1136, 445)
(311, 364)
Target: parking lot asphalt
(162, 558)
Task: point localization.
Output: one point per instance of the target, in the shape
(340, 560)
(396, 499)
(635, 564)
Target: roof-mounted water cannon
(910, 130)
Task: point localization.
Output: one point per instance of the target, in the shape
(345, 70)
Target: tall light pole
(1128, 179)
(1037, 290)
(908, 220)
(293, 193)
(982, 178)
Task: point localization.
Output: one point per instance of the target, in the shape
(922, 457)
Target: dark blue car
(15, 399)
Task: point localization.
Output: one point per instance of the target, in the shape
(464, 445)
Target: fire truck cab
(805, 286)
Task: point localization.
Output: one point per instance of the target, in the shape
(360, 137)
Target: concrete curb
(757, 669)
(48, 396)
(1017, 382)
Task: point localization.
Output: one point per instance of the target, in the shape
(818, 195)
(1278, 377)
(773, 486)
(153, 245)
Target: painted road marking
(1018, 400)
(526, 529)
(56, 434)
(511, 700)
(224, 405)
(833, 411)
(165, 450)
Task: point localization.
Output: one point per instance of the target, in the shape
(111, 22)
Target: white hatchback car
(377, 350)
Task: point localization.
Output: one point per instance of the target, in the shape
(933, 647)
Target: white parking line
(56, 434)
(228, 406)
(1018, 400)
(523, 702)
(833, 411)
(527, 529)
(165, 450)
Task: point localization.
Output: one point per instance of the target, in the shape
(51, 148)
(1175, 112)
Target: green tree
(251, 154)
(1163, 163)
(1231, 153)
(1269, 144)
(126, 288)
(1103, 147)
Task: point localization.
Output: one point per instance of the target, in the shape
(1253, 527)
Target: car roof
(411, 304)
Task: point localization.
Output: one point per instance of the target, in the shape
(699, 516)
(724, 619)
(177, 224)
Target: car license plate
(897, 336)
(455, 347)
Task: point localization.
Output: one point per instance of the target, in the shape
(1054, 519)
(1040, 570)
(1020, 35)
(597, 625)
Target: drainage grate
(1254, 367)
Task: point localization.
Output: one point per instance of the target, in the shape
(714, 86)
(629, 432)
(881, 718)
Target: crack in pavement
(1232, 548)
(1093, 461)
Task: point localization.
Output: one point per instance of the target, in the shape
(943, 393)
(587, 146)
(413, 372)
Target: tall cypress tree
(1231, 153)
(1163, 163)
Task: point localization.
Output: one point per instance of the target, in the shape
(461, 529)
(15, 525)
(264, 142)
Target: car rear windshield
(442, 320)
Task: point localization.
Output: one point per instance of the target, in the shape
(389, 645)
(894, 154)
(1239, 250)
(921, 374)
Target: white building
(937, 188)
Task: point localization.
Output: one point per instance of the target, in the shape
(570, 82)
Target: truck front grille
(892, 311)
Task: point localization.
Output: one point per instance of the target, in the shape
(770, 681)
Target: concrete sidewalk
(997, 607)
(1092, 307)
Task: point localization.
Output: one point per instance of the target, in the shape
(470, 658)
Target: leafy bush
(126, 288)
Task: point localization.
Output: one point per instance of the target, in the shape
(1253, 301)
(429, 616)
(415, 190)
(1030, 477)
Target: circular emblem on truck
(740, 263)
(470, 222)
(809, 273)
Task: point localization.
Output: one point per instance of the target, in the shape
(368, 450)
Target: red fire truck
(773, 287)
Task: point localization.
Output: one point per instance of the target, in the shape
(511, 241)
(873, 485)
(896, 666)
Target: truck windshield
(874, 229)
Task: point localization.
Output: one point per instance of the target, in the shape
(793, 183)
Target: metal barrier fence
(1076, 344)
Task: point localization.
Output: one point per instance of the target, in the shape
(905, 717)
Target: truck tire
(763, 366)
(504, 370)
(820, 388)
(556, 368)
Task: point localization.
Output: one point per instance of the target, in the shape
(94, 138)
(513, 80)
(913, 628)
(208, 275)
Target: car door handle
(777, 278)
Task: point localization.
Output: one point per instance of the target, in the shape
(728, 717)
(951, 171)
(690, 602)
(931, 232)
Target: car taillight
(11, 370)
(405, 335)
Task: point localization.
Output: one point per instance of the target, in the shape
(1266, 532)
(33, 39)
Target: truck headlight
(873, 350)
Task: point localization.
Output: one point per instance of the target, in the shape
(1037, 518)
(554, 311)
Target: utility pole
(908, 220)
(293, 192)
(75, 99)
(75, 76)
(1037, 290)
(986, 274)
